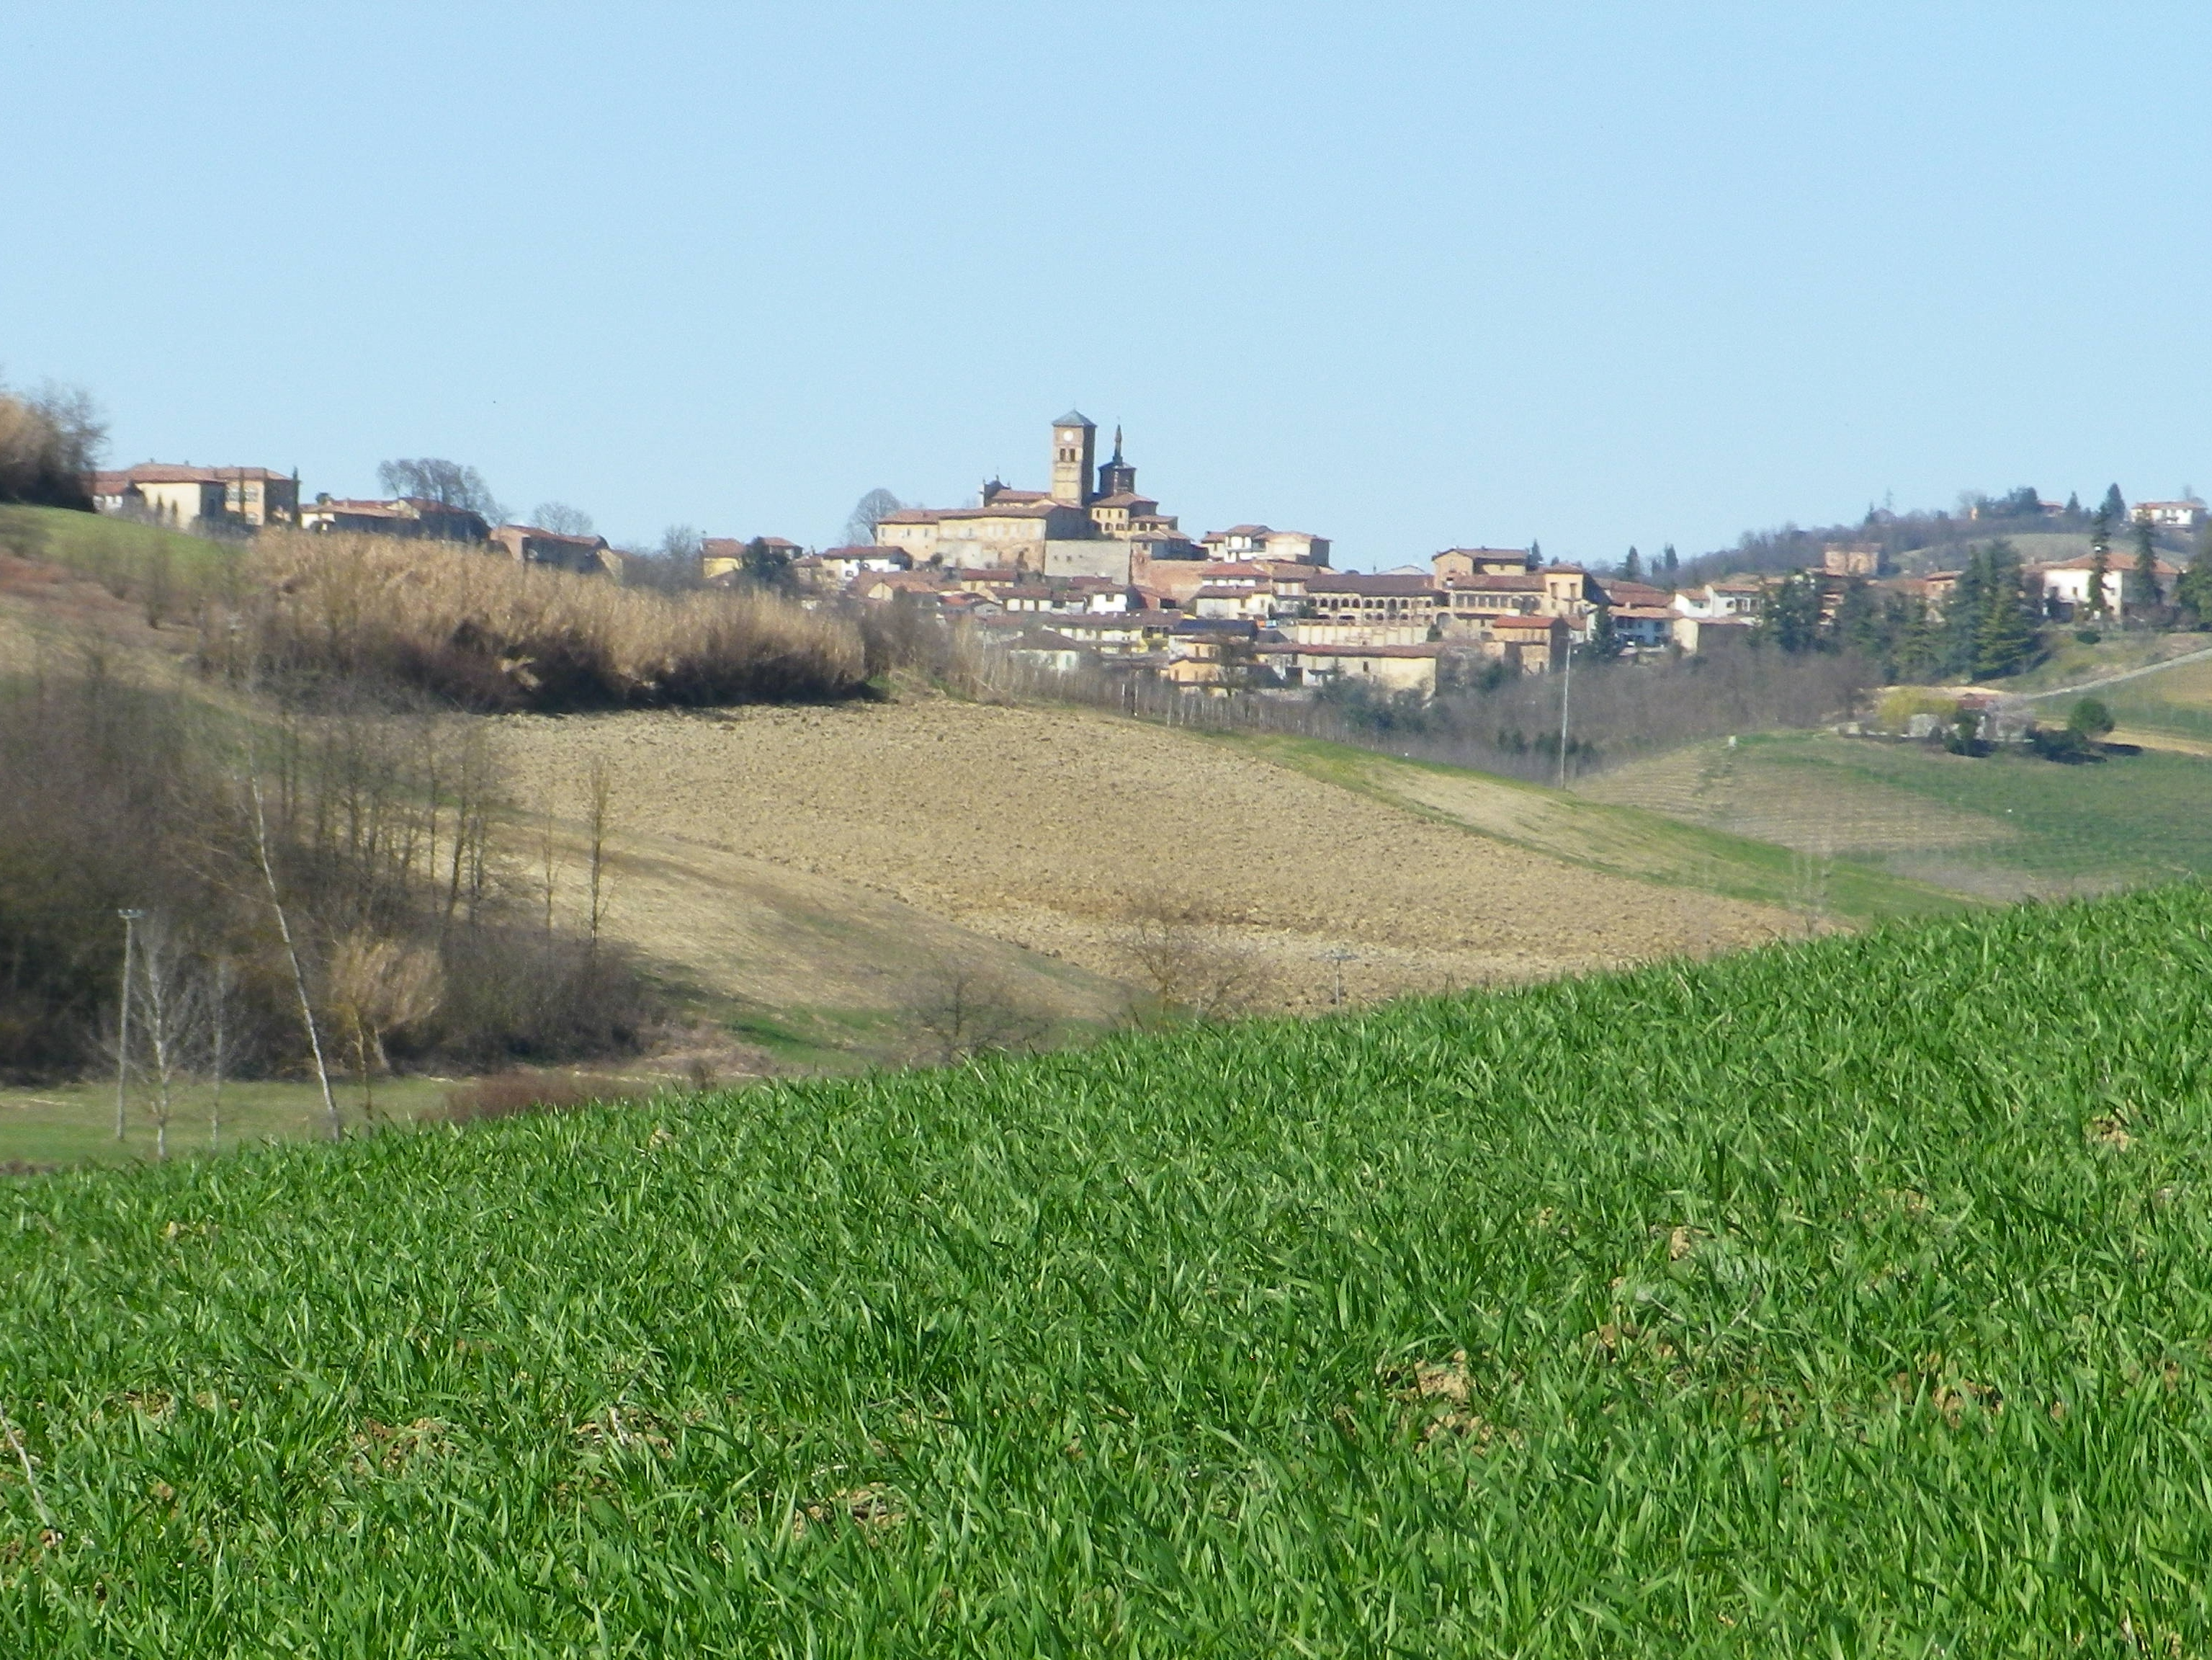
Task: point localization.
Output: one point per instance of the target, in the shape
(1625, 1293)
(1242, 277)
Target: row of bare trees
(334, 887)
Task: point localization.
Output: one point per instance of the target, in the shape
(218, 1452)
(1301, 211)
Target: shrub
(2090, 719)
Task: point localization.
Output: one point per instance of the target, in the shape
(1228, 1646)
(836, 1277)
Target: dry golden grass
(488, 634)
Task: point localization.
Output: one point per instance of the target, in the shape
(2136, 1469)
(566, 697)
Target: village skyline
(1391, 277)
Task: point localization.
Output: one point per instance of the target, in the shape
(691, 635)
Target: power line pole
(131, 919)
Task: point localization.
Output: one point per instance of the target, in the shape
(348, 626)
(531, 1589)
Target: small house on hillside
(586, 555)
(407, 516)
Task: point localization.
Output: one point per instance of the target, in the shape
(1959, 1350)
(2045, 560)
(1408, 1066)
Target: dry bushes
(507, 1094)
(479, 632)
(1190, 965)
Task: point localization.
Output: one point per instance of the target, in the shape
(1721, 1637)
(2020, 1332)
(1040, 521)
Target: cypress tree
(2006, 637)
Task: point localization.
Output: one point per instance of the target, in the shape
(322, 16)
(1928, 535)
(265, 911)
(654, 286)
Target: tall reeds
(480, 631)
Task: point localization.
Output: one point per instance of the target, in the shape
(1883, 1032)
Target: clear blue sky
(1406, 275)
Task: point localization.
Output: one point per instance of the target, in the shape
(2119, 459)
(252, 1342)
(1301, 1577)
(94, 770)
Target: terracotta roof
(1532, 583)
(1124, 499)
(162, 472)
(1385, 585)
(538, 535)
(1517, 620)
(1240, 530)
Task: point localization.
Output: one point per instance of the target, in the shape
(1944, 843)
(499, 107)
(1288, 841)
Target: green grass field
(1852, 1298)
(104, 547)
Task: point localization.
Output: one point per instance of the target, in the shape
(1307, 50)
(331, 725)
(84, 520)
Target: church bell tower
(1074, 448)
(1117, 477)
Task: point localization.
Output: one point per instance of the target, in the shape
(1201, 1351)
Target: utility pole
(131, 919)
(1566, 691)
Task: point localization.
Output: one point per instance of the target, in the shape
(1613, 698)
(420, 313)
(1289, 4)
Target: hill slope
(1042, 827)
(1851, 1297)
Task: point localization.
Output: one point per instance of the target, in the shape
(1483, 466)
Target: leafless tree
(870, 511)
(291, 948)
(432, 478)
(172, 1017)
(561, 519)
(598, 824)
(1188, 964)
(963, 1010)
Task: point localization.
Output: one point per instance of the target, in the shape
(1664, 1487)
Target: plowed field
(1045, 829)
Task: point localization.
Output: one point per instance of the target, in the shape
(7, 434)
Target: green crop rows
(1850, 1298)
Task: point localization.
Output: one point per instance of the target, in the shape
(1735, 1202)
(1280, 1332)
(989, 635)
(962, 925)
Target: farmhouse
(526, 544)
(183, 496)
(406, 516)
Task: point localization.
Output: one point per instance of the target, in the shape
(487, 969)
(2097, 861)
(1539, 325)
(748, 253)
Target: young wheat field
(1848, 1297)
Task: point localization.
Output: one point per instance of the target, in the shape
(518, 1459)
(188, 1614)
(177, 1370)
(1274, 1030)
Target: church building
(1092, 522)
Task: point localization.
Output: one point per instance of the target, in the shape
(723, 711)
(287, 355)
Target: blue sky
(1405, 275)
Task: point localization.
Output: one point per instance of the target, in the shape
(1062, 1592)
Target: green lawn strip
(110, 548)
(75, 1123)
(1630, 841)
(1845, 1297)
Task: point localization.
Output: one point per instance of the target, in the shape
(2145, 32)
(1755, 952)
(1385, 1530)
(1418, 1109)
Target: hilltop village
(1091, 573)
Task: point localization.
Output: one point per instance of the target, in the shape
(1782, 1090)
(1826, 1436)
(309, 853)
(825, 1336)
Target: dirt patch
(1039, 829)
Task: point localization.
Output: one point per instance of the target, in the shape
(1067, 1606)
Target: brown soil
(1042, 829)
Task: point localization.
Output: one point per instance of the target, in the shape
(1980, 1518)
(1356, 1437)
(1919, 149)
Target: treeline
(333, 883)
(1610, 711)
(1901, 535)
(49, 442)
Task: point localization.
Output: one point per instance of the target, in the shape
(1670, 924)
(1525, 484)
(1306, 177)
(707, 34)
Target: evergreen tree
(1962, 618)
(1667, 562)
(2147, 593)
(2073, 504)
(2100, 562)
(2192, 594)
(1792, 617)
(2115, 506)
(1916, 639)
(1858, 625)
(1632, 568)
(2005, 639)
(1535, 553)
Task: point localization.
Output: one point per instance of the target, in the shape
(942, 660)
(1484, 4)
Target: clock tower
(1074, 451)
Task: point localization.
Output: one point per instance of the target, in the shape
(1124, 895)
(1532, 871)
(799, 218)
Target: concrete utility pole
(130, 920)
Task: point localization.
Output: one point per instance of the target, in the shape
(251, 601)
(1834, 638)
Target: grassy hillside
(2000, 827)
(1609, 835)
(1848, 1297)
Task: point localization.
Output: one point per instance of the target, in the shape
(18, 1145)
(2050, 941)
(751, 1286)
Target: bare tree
(291, 950)
(449, 484)
(1189, 964)
(598, 824)
(561, 519)
(870, 511)
(963, 1010)
(172, 1015)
